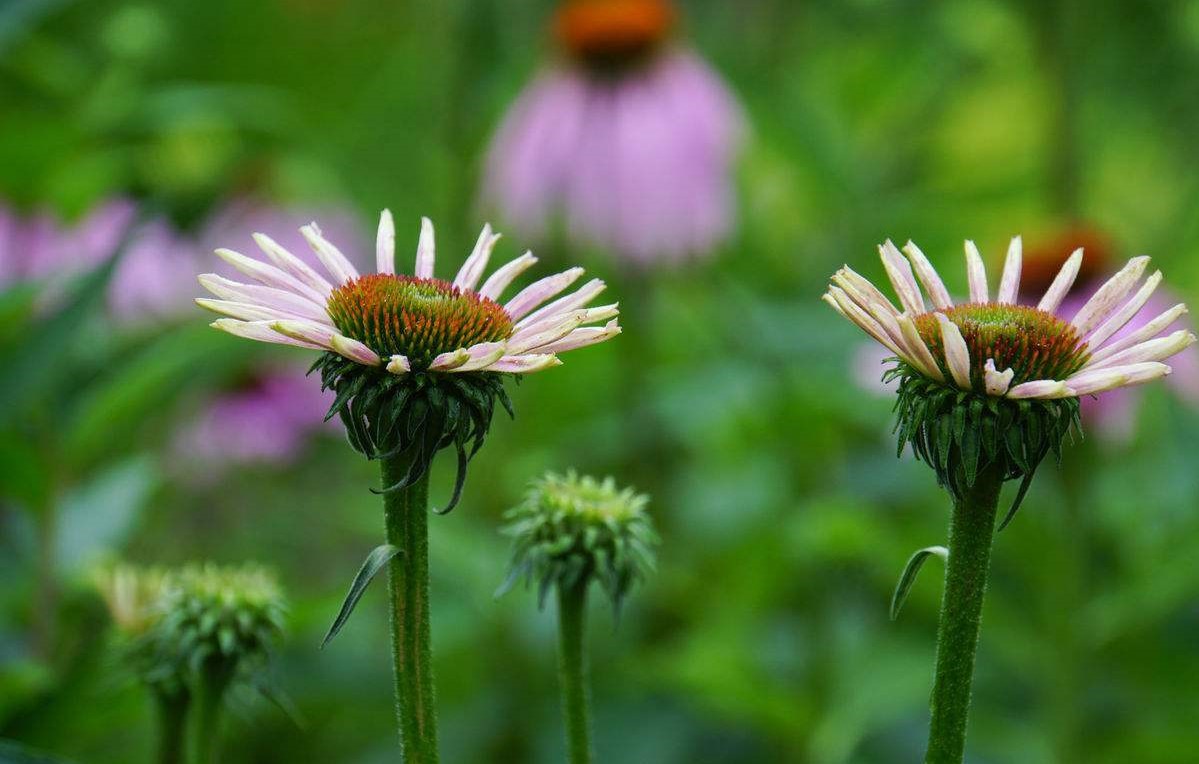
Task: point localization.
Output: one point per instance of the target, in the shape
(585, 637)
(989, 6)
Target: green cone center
(416, 318)
(1032, 343)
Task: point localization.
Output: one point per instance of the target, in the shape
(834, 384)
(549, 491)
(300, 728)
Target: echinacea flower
(392, 341)
(629, 138)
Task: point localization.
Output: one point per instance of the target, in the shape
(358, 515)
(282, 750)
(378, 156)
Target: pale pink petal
(843, 304)
(539, 291)
(399, 365)
(425, 250)
(1098, 380)
(901, 277)
(1061, 283)
(330, 256)
(861, 290)
(576, 299)
(267, 297)
(472, 270)
(976, 272)
(544, 333)
(1158, 349)
(354, 350)
(1041, 388)
(927, 274)
(306, 331)
(1151, 329)
(525, 364)
(1009, 283)
(269, 275)
(295, 266)
(997, 382)
(1109, 296)
(917, 350)
(385, 244)
(243, 311)
(495, 285)
(449, 360)
(260, 331)
(582, 337)
(479, 357)
(1126, 313)
(957, 355)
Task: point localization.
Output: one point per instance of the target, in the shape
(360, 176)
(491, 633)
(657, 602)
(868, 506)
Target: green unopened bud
(570, 529)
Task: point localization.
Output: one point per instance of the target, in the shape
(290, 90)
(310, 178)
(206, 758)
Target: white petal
(295, 266)
(481, 356)
(842, 303)
(997, 382)
(539, 291)
(339, 267)
(425, 250)
(306, 331)
(398, 365)
(927, 274)
(243, 311)
(1061, 283)
(269, 275)
(918, 350)
(582, 337)
(1041, 388)
(544, 333)
(1009, 284)
(525, 364)
(957, 355)
(901, 277)
(862, 290)
(385, 244)
(1109, 296)
(976, 272)
(575, 299)
(472, 270)
(1126, 313)
(450, 360)
(1147, 331)
(1158, 349)
(267, 297)
(494, 286)
(1098, 380)
(260, 331)
(354, 350)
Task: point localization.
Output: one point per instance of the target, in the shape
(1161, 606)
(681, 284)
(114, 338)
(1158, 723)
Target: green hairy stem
(572, 671)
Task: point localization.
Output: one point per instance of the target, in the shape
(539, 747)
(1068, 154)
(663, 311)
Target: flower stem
(172, 724)
(971, 531)
(406, 512)
(572, 671)
(210, 697)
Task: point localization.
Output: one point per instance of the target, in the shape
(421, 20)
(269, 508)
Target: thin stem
(572, 671)
(215, 678)
(45, 604)
(971, 531)
(407, 517)
(172, 707)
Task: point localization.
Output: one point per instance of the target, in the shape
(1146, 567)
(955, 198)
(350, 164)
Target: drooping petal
(1151, 329)
(1041, 388)
(1109, 296)
(286, 261)
(900, 274)
(1117, 320)
(918, 350)
(398, 365)
(449, 360)
(976, 273)
(997, 382)
(576, 299)
(1158, 349)
(582, 337)
(267, 297)
(306, 331)
(927, 274)
(481, 356)
(1061, 283)
(957, 355)
(844, 305)
(495, 284)
(260, 331)
(268, 275)
(472, 270)
(525, 364)
(544, 333)
(539, 291)
(425, 251)
(1098, 380)
(243, 311)
(1009, 284)
(355, 350)
(385, 244)
(339, 267)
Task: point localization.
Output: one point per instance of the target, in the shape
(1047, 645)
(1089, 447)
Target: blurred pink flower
(630, 139)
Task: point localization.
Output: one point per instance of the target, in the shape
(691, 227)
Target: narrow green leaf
(375, 561)
(908, 577)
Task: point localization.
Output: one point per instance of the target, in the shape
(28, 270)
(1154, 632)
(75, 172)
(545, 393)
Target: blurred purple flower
(630, 140)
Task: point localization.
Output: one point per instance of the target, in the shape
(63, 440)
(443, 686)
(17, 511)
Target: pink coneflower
(1112, 415)
(629, 138)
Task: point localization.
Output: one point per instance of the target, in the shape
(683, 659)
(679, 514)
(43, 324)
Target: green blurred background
(730, 398)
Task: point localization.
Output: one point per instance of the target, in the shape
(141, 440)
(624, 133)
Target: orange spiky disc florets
(416, 318)
(612, 32)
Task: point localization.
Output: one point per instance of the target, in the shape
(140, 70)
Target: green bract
(571, 528)
(414, 415)
(958, 433)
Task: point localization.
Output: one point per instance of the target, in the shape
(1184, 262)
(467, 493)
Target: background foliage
(784, 513)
